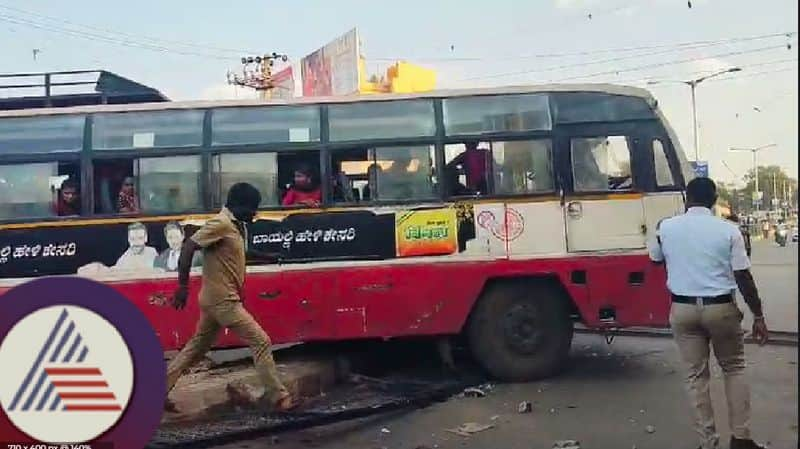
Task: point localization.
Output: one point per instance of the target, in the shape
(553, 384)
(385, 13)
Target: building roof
(72, 88)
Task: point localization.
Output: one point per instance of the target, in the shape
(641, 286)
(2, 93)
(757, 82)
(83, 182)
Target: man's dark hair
(69, 184)
(173, 225)
(243, 194)
(304, 169)
(701, 191)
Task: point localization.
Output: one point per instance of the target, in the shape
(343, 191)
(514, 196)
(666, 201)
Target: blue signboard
(700, 168)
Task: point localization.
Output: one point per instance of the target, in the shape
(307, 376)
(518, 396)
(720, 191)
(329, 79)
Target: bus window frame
(277, 149)
(331, 149)
(559, 135)
(515, 136)
(672, 163)
(630, 129)
(45, 158)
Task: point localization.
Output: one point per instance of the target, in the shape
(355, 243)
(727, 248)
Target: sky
(186, 48)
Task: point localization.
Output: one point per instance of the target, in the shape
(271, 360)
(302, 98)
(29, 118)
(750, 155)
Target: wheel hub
(523, 330)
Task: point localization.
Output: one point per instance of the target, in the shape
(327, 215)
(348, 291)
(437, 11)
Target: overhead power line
(601, 61)
(108, 39)
(685, 44)
(145, 38)
(664, 83)
(673, 62)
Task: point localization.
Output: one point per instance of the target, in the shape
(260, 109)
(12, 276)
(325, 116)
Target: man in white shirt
(706, 261)
(138, 256)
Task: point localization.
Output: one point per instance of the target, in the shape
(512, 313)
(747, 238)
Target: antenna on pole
(257, 73)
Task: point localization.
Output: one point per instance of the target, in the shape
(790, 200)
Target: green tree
(774, 182)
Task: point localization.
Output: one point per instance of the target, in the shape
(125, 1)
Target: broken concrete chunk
(567, 444)
(650, 429)
(473, 392)
(525, 407)
(469, 428)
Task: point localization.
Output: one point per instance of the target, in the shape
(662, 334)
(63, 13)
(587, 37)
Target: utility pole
(258, 77)
(693, 85)
(755, 151)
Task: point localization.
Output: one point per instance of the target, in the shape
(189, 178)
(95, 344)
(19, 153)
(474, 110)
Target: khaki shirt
(223, 258)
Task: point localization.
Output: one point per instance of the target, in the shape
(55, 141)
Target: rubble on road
(525, 407)
(567, 444)
(469, 428)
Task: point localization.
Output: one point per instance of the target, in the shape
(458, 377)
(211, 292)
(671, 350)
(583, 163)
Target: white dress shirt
(701, 252)
(141, 261)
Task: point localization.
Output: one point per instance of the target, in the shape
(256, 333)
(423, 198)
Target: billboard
(333, 69)
(700, 168)
(286, 83)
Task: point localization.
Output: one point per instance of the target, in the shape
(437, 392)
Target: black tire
(521, 331)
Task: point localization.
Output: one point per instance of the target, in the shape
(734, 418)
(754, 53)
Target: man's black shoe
(737, 443)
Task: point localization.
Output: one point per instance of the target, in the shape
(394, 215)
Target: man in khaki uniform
(223, 242)
(706, 261)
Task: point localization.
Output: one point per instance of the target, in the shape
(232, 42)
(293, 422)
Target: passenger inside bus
(373, 171)
(127, 202)
(305, 190)
(69, 199)
(475, 164)
(111, 193)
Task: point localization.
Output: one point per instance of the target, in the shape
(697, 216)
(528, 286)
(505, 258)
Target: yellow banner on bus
(426, 232)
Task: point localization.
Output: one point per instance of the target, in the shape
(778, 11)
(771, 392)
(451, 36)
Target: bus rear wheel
(521, 331)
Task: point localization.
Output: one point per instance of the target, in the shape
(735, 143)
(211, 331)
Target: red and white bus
(502, 215)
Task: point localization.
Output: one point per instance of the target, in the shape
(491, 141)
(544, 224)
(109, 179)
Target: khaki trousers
(230, 314)
(695, 327)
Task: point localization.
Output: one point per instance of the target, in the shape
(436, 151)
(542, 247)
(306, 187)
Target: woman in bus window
(304, 190)
(127, 202)
(69, 200)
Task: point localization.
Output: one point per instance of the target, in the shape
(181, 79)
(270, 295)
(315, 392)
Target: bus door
(603, 208)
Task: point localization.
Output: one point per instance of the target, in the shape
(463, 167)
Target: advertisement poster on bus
(333, 69)
(426, 232)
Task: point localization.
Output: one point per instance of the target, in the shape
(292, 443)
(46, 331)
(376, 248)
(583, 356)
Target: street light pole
(693, 86)
(755, 166)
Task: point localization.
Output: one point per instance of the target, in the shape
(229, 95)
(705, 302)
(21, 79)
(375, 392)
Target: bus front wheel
(521, 331)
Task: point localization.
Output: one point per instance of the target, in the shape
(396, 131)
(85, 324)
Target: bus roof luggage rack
(72, 88)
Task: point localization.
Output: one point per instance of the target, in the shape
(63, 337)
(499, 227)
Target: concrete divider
(202, 394)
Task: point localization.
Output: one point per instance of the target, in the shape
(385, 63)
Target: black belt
(721, 299)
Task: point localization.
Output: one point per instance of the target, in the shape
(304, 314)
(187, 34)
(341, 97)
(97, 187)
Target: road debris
(525, 407)
(385, 430)
(567, 444)
(650, 429)
(473, 392)
(469, 428)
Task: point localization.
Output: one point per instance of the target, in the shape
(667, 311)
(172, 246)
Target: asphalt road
(775, 272)
(606, 400)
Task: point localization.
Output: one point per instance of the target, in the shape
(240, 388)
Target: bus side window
(116, 189)
(522, 167)
(601, 164)
(467, 168)
(169, 184)
(404, 173)
(28, 190)
(663, 173)
(385, 174)
(258, 169)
